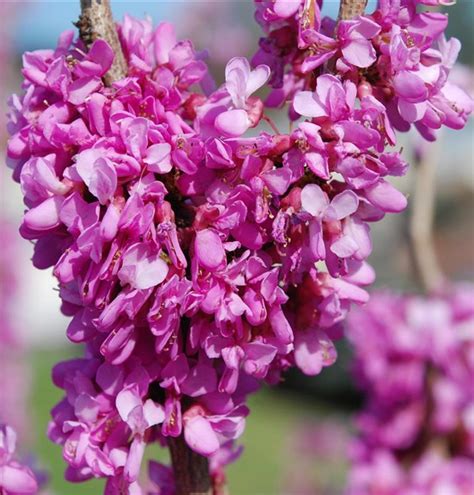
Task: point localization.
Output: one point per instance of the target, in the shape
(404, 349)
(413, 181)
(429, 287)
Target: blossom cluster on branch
(194, 260)
(414, 360)
(398, 55)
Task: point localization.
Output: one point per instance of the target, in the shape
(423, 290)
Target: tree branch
(349, 9)
(423, 253)
(96, 21)
(191, 470)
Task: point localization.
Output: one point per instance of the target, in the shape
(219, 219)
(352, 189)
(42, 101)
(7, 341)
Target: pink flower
(139, 416)
(332, 99)
(241, 82)
(15, 478)
(409, 338)
(142, 266)
(315, 202)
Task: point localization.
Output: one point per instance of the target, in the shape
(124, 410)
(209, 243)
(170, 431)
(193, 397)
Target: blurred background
(281, 418)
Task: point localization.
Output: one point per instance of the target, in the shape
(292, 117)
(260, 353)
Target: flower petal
(232, 123)
(200, 436)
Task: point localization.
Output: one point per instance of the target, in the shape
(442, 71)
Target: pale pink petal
(209, 248)
(134, 459)
(80, 89)
(384, 196)
(165, 40)
(135, 136)
(237, 73)
(233, 123)
(17, 479)
(153, 413)
(257, 78)
(286, 8)
(359, 52)
(277, 180)
(258, 356)
(412, 112)
(344, 247)
(318, 164)
(305, 104)
(127, 400)
(143, 267)
(316, 239)
(103, 180)
(158, 158)
(367, 28)
(200, 436)
(342, 205)
(45, 216)
(280, 325)
(314, 200)
(410, 87)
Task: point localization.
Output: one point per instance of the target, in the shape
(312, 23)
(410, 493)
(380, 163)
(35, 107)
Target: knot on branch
(351, 8)
(96, 21)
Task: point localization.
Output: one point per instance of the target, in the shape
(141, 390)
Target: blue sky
(40, 22)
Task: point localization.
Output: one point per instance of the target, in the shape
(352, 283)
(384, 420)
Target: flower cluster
(195, 261)
(414, 359)
(15, 478)
(398, 55)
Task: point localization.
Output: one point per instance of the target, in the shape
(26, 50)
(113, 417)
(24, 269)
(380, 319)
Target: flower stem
(96, 21)
(272, 124)
(191, 470)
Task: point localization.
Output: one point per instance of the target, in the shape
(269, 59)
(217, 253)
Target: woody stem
(96, 22)
(349, 9)
(191, 470)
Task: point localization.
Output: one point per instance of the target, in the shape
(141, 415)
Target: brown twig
(191, 470)
(349, 9)
(96, 21)
(422, 248)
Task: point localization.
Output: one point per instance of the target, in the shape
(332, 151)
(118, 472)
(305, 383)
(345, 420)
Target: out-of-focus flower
(15, 478)
(414, 361)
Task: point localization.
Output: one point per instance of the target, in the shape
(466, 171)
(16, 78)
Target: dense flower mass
(414, 359)
(195, 261)
(398, 55)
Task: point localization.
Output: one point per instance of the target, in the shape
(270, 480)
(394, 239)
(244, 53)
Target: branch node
(349, 9)
(96, 21)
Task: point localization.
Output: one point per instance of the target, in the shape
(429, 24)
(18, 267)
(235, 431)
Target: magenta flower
(417, 386)
(196, 262)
